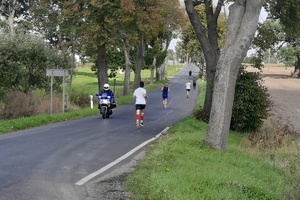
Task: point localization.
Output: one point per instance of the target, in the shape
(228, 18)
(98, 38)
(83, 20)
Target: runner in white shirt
(188, 88)
(140, 96)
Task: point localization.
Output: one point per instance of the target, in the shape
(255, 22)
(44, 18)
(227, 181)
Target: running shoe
(137, 124)
(142, 124)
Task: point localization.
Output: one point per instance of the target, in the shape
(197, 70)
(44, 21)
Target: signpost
(60, 73)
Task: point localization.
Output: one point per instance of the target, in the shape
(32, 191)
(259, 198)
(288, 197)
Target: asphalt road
(45, 163)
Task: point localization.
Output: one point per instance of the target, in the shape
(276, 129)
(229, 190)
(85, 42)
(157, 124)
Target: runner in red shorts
(140, 96)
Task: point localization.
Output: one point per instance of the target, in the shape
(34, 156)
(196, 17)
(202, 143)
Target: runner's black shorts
(140, 106)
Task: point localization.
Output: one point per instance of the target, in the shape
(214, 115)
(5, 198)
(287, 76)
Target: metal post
(51, 93)
(114, 86)
(63, 98)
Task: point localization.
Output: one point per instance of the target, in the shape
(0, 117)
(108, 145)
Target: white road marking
(171, 101)
(103, 169)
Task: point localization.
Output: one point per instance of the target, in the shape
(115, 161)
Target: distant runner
(188, 88)
(194, 82)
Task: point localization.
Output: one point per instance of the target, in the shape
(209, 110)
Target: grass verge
(180, 166)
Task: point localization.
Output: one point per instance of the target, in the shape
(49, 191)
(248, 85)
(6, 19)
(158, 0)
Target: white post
(92, 104)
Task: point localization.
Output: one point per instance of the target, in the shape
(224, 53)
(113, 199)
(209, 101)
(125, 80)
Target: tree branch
(198, 26)
(218, 10)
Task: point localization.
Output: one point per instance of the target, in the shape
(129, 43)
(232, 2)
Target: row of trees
(140, 27)
(111, 33)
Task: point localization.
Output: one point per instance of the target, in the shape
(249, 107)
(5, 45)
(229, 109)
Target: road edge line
(103, 169)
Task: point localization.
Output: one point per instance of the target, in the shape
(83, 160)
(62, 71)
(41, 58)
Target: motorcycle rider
(110, 93)
(106, 90)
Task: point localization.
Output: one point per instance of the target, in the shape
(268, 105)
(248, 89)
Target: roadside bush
(270, 136)
(44, 106)
(279, 145)
(24, 60)
(81, 99)
(251, 102)
(18, 104)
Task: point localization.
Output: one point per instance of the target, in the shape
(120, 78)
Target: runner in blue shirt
(165, 93)
(194, 82)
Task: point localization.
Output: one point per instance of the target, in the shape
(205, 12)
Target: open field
(285, 93)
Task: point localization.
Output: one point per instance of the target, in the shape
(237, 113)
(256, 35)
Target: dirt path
(285, 94)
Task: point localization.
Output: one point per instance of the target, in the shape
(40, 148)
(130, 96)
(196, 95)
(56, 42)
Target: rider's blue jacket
(109, 93)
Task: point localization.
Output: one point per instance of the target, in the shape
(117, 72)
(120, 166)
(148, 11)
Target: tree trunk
(158, 73)
(139, 62)
(126, 89)
(152, 70)
(297, 68)
(11, 17)
(209, 45)
(163, 71)
(71, 76)
(242, 24)
(102, 66)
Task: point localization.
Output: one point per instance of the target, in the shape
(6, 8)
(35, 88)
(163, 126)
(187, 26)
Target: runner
(188, 88)
(194, 82)
(165, 93)
(140, 96)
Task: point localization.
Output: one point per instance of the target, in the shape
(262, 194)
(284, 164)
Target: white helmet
(106, 86)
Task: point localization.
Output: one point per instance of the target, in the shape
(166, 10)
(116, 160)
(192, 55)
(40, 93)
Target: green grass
(180, 166)
(84, 81)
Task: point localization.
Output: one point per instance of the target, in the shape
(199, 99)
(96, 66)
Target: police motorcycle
(106, 103)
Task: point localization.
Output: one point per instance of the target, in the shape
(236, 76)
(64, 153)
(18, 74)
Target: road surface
(57, 160)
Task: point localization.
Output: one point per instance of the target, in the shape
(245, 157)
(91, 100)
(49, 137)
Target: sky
(262, 17)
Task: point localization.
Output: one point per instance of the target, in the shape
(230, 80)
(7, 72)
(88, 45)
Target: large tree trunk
(126, 89)
(297, 68)
(11, 17)
(209, 45)
(157, 73)
(163, 71)
(139, 62)
(152, 70)
(102, 66)
(242, 24)
(160, 72)
(71, 75)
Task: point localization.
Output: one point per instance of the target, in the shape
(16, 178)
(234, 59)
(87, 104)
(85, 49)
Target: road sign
(61, 73)
(57, 72)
